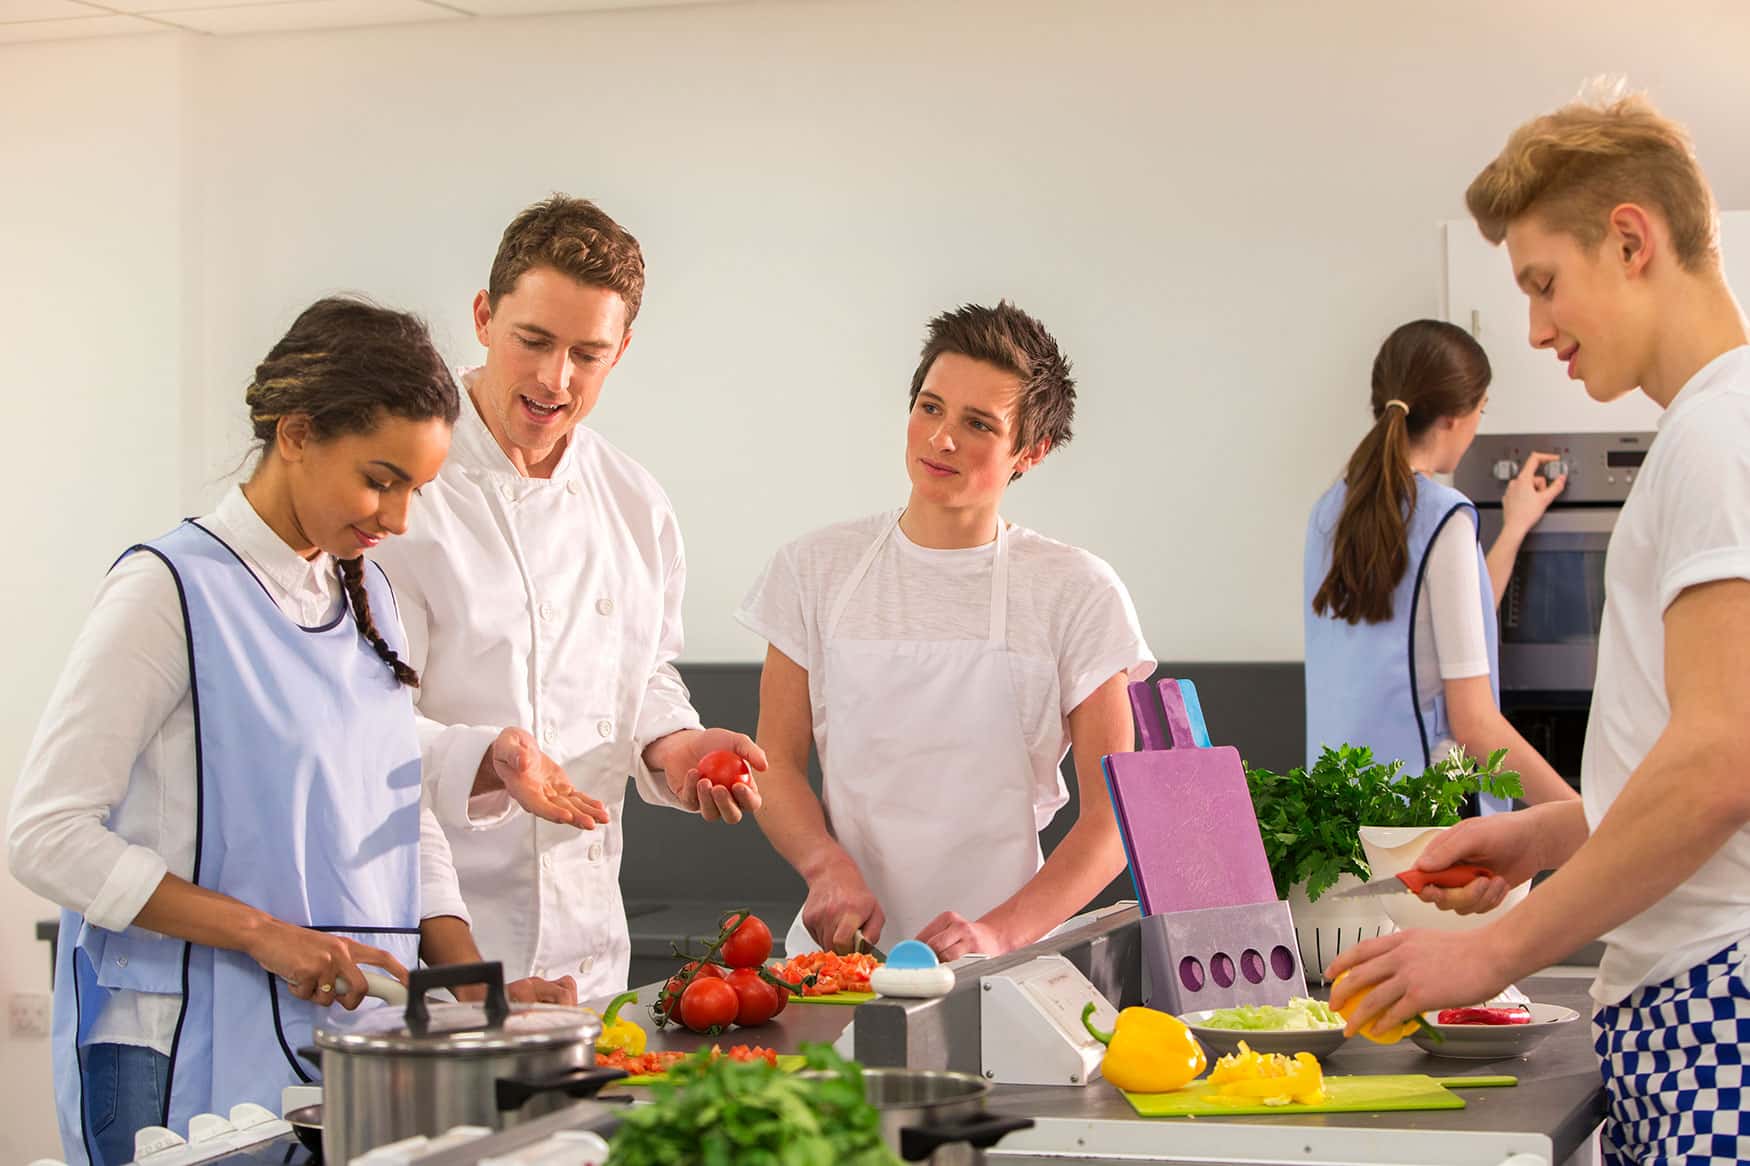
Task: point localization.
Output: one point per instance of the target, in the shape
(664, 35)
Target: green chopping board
(1342, 1095)
(787, 1062)
(835, 998)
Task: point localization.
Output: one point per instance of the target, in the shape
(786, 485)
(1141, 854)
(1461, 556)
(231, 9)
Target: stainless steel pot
(937, 1117)
(390, 1074)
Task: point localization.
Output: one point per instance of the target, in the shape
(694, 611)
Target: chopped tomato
(832, 973)
(656, 1064)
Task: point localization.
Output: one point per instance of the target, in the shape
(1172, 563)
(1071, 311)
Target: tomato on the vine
(708, 1005)
(723, 767)
(757, 1001)
(748, 945)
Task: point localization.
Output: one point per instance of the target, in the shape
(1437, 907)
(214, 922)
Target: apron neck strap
(999, 581)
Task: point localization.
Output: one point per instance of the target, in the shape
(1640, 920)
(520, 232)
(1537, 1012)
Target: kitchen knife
(860, 943)
(1414, 880)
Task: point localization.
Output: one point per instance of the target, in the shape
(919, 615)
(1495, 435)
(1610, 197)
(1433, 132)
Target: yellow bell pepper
(1147, 1051)
(1379, 1036)
(1271, 1078)
(620, 1035)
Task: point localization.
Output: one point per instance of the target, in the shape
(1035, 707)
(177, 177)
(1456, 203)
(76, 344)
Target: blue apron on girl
(1361, 686)
(308, 804)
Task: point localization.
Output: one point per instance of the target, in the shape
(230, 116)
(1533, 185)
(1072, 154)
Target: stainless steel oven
(1555, 602)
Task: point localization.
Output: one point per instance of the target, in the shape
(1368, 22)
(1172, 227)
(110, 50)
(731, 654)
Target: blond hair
(1574, 166)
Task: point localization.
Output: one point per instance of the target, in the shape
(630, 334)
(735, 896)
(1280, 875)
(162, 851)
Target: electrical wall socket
(28, 1014)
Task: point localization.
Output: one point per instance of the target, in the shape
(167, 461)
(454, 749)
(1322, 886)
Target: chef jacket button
(548, 611)
(605, 606)
(595, 852)
(508, 490)
(586, 964)
(121, 961)
(546, 862)
(605, 728)
(572, 487)
(548, 736)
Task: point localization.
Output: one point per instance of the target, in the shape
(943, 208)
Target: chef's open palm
(317, 966)
(537, 783)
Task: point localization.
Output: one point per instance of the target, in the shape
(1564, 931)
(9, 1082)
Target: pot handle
(513, 1092)
(980, 1130)
(422, 980)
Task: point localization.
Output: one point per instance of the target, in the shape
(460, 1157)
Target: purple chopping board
(1189, 828)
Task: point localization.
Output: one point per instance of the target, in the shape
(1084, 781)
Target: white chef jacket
(553, 604)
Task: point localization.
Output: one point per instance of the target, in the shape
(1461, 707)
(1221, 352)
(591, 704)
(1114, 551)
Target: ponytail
(1426, 370)
(352, 576)
(1370, 551)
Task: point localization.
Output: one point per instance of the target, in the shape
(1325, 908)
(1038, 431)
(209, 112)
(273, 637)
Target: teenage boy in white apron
(942, 662)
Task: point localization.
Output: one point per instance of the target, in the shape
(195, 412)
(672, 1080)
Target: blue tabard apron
(1361, 686)
(308, 808)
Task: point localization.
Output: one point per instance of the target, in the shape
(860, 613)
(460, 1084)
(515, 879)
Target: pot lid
(461, 1029)
(454, 1028)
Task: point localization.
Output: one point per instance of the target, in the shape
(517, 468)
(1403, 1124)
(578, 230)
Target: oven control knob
(1553, 470)
(1506, 470)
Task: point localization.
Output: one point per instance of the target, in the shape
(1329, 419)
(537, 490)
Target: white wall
(1220, 208)
(90, 308)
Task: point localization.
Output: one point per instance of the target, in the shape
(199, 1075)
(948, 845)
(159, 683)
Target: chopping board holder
(1214, 934)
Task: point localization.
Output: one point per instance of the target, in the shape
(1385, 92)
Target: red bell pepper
(1484, 1016)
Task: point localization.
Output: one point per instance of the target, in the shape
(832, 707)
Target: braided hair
(346, 364)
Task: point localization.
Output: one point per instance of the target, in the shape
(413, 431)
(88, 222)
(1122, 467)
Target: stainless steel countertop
(1559, 1096)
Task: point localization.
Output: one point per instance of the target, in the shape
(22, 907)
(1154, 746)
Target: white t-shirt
(1686, 522)
(1071, 625)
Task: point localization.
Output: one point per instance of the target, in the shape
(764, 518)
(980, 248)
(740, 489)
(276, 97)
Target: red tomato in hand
(748, 945)
(709, 1005)
(757, 1000)
(723, 767)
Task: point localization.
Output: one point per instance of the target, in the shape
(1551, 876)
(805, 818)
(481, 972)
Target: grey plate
(1218, 1042)
(1492, 1042)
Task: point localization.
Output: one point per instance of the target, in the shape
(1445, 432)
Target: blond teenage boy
(1613, 235)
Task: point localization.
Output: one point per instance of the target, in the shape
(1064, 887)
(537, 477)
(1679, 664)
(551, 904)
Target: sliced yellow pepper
(620, 1035)
(1271, 1078)
(1147, 1051)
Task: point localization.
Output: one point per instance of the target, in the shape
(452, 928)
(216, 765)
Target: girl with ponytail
(1401, 640)
(224, 794)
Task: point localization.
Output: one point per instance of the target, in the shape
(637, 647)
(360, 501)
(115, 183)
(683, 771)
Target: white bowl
(1219, 1042)
(1493, 1042)
(1394, 849)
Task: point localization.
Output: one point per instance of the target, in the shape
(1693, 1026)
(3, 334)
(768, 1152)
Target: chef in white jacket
(543, 588)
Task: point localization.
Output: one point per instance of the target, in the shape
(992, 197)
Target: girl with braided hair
(224, 794)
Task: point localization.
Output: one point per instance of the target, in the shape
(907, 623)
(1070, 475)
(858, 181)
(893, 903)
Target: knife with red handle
(1412, 880)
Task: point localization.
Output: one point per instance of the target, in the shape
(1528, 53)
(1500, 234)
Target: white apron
(929, 788)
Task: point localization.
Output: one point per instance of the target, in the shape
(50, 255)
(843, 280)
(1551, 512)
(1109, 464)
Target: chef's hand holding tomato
(702, 778)
(535, 782)
(840, 904)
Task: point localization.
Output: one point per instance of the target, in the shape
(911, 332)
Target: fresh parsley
(718, 1112)
(1311, 821)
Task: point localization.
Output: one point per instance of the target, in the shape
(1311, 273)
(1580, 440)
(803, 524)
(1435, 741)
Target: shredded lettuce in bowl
(1302, 1012)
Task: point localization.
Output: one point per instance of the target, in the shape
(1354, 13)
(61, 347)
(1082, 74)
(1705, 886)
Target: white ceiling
(38, 20)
